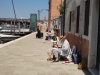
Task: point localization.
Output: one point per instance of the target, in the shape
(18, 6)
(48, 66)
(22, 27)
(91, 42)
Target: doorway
(98, 48)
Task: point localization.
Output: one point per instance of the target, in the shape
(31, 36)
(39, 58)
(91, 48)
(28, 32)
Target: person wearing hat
(55, 46)
(63, 51)
(58, 40)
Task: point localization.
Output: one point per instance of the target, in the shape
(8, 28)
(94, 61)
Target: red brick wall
(75, 40)
(54, 8)
(84, 47)
(43, 28)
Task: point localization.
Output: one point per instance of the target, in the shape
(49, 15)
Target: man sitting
(38, 35)
(64, 51)
(55, 46)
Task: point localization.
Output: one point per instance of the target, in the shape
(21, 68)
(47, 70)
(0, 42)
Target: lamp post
(39, 11)
(39, 15)
(14, 14)
(11, 27)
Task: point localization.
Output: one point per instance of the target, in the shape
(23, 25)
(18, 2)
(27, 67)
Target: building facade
(42, 28)
(53, 10)
(82, 23)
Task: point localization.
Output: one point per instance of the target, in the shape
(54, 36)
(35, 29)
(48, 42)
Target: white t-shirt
(52, 33)
(49, 34)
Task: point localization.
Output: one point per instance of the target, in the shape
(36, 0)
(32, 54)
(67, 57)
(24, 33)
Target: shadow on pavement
(86, 72)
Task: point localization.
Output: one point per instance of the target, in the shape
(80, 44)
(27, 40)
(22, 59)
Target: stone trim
(93, 71)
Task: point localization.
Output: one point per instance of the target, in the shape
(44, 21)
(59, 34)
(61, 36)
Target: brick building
(41, 27)
(82, 23)
(53, 10)
(43, 24)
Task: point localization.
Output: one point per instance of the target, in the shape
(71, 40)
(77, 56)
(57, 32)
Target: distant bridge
(9, 20)
(12, 19)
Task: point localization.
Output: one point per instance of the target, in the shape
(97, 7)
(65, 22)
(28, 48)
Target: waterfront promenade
(27, 56)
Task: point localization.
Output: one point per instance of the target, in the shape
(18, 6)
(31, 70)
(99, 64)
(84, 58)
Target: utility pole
(11, 27)
(14, 14)
(19, 27)
(39, 11)
(39, 15)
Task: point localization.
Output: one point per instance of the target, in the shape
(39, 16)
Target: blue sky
(23, 8)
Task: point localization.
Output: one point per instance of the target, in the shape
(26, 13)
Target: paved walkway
(27, 56)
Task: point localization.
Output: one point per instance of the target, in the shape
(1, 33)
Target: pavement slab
(28, 56)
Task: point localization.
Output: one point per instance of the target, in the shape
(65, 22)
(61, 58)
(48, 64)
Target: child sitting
(50, 52)
(55, 46)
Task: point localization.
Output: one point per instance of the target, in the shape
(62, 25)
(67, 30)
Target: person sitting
(50, 52)
(38, 35)
(52, 34)
(63, 51)
(55, 39)
(55, 46)
(48, 37)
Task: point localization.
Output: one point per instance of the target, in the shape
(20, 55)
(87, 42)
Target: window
(70, 22)
(77, 23)
(87, 8)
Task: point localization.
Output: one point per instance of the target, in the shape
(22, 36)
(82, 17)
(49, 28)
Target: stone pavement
(27, 56)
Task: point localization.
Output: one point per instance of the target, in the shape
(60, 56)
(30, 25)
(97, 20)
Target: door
(98, 48)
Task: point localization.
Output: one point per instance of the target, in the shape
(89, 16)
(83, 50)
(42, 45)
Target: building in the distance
(43, 24)
(53, 10)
